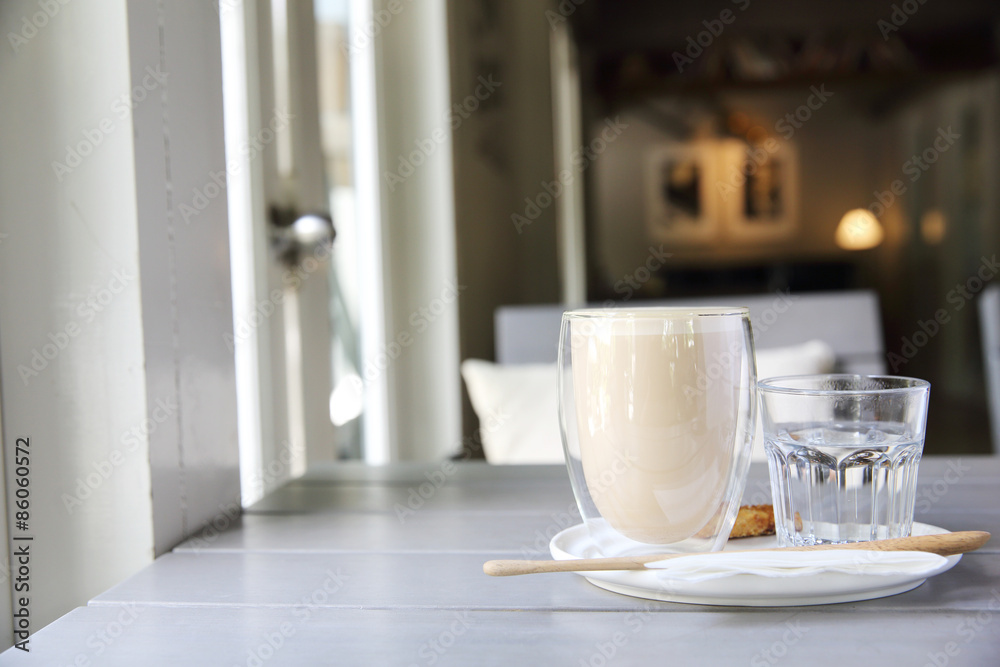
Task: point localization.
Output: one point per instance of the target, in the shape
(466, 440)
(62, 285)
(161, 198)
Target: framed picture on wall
(760, 194)
(680, 204)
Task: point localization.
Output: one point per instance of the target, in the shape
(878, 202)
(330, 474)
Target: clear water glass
(657, 412)
(843, 452)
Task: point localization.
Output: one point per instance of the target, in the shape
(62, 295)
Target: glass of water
(842, 454)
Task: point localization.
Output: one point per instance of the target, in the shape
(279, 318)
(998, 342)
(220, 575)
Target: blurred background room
(756, 148)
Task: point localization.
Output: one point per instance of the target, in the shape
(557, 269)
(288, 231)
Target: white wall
(68, 242)
(96, 263)
(186, 288)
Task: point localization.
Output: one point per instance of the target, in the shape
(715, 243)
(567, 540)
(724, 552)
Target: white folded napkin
(702, 567)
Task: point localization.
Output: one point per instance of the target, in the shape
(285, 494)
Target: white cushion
(805, 359)
(518, 404)
(518, 410)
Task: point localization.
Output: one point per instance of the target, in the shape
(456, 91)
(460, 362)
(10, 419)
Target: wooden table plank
(456, 581)
(944, 485)
(485, 497)
(517, 535)
(525, 534)
(153, 636)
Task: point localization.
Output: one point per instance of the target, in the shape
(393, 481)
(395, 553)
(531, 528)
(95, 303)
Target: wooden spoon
(945, 544)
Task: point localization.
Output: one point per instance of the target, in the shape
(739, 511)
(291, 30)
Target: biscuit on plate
(753, 521)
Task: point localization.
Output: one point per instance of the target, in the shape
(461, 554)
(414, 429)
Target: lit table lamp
(859, 229)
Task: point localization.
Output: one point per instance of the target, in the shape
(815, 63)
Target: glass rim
(650, 312)
(905, 384)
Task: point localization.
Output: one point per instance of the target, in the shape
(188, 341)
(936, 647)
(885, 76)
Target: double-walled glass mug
(657, 410)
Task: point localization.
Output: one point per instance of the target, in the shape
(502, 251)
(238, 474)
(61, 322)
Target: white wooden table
(328, 570)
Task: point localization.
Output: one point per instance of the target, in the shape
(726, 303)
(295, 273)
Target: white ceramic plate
(745, 590)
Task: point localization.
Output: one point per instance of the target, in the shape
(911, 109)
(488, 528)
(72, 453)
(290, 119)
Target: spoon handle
(945, 544)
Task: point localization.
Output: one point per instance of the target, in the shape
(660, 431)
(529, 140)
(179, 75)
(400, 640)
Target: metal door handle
(295, 235)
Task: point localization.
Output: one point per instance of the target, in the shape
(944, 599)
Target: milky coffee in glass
(661, 418)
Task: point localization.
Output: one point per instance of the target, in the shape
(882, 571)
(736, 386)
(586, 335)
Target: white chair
(516, 398)
(850, 322)
(989, 327)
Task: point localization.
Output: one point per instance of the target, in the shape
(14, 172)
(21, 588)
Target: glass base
(611, 543)
(844, 533)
